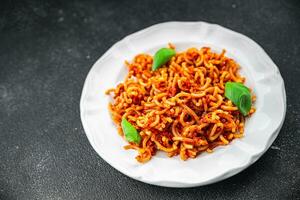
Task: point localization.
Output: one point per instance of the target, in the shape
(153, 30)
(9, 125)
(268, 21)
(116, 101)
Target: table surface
(48, 47)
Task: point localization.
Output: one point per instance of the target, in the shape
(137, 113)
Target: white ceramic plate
(261, 129)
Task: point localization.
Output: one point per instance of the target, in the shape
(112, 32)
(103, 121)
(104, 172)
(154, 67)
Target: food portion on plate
(182, 103)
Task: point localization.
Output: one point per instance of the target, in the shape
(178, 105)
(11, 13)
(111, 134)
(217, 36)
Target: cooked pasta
(180, 108)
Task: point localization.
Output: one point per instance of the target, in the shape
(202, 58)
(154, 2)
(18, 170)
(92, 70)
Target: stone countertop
(48, 47)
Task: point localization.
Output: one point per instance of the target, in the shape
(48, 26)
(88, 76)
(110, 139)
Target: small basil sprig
(131, 134)
(240, 95)
(161, 57)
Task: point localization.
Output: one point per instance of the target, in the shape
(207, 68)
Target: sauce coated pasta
(179, 108)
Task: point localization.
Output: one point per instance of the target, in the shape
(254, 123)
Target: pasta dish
(181, 107)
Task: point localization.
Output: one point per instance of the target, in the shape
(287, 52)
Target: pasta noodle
(180, 108)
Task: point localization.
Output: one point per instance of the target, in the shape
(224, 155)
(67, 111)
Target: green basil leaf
(131, 134)
(240, 95)
(245, 103)
(161, 57)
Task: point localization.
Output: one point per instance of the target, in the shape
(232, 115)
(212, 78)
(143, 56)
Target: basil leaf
(161, 57)
(240, 95)
(245, 103)
(131, 134)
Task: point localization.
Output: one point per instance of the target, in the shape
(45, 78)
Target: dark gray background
(46, 51)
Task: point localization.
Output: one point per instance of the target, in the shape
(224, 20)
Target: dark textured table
(46, 51)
